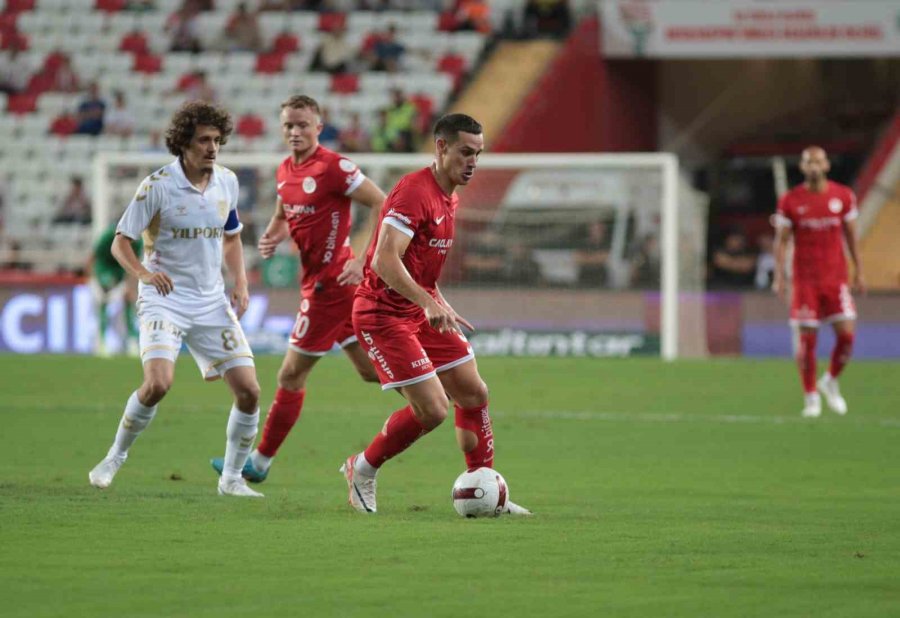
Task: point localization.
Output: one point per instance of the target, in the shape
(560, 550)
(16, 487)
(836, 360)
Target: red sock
(282, 415)
(398, 434)
(840, 355)
(806, 360)
(478, 422)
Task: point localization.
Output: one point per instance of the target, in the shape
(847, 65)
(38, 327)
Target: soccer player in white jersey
(187, 214)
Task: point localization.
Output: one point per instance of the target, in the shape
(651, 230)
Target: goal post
(544, 209)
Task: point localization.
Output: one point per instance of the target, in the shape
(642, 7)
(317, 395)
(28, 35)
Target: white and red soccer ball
(480, 493)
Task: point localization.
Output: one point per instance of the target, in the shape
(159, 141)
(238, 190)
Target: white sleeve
(143, 207)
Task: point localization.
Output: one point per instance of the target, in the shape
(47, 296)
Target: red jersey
(419, 208)
(315, 195)
(816, 220)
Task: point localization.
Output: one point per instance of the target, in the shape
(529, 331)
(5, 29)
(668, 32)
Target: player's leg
(101, 302)
(360, 361)
(139, 411)
(240, 432)
(844, 334)
(805, 340)
(132, 346)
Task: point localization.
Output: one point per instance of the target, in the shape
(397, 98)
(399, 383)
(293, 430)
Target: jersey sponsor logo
(835, 205)
(439, 220)
(376, 356)
(393, 213)
(441, 243)
(191, 233)
(347, 165)
(180, 210)
(309, 184)
(331, 241)
(820, 224)
(296, 210)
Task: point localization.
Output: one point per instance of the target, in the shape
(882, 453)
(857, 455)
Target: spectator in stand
(335, 54)
(401, 122)
(75, 206)
(485, 259)
(765, 262)
(241, 32)
(182, 27)
(330, 133)
(733, 263)
(14, 71)
(354, 137)
(592, 255)
(119, 120)
(473, 15)
(645, 264)
(91, 111)
(195, 87)
(63, 76)
(547, 17)
(521, 267)
(388, 52)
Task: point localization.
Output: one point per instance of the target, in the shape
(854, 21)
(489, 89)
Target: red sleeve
(344, 176)
(405, 210)
(850, 211)
(784, 215)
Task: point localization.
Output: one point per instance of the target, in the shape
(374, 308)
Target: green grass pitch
(686, 489)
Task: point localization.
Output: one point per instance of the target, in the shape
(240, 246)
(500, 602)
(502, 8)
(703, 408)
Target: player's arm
(276, 231)
(853, 248)
(387, 263)
(782, 238)
(368, 194)
(233, 256)
(128, 259)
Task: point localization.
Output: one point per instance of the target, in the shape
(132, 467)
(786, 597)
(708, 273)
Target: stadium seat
(148, 63)
(345, 83)
(22, 103)
(272, 62)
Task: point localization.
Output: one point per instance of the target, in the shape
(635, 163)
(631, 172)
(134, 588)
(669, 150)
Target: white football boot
(812, 406)
(104, 472)
(829, 387)
(236, 487)
(361, 488)
(514, 509)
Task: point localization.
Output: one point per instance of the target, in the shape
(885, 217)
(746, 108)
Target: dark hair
(448, 127)
(189, 116)
(301, 101)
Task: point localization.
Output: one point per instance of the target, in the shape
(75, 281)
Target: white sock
(134, 420)
(363, 467)
(239, 437)
(260, 461)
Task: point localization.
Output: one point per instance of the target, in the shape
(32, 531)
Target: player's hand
(160, 281)
(240, 299)
(459, 319)
(778, 287)
(440, 317)
(859, 284)
(267, 245)
(352, 273)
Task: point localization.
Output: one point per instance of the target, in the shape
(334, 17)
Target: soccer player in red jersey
(820, 215)
(411, 333)
(315, 187)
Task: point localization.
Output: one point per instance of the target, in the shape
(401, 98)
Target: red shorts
(405, 351)
(323, 320)
(821, 302)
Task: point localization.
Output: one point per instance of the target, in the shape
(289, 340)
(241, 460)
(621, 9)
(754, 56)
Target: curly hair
(189, 116)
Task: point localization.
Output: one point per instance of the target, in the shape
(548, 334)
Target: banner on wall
(747, 28)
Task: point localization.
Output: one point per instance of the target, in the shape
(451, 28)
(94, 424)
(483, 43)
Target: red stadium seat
(147, 63)
(134, 42)
(22, 103)
(251, 125)
(40, 82)
(110, 6)
(447, 22)
(16, 6)
(453, 65)
(272, 62)
(328, 22)
(345, 83)
(425, 108)
(286, 43)
(12, 39)
(64, 125)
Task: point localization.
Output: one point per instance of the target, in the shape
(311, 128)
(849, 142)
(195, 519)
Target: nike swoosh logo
(282, 183)
(439, 220)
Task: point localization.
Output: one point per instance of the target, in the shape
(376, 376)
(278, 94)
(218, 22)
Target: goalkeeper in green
(108, 279)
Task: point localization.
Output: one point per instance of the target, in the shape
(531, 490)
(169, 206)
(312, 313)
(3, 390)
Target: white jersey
(183, 229)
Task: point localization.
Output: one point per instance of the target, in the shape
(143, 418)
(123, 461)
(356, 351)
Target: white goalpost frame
(666, 162)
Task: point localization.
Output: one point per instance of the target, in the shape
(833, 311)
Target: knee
(432, 411)
(154, 389)
(292, 378)
(474, 397)
(368, 374)
(247, 397)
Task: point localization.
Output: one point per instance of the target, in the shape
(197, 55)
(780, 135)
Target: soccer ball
(482, 493)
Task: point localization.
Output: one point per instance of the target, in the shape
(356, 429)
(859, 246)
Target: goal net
(555, 254)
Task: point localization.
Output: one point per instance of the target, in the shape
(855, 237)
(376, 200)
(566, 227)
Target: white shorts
(215, 338)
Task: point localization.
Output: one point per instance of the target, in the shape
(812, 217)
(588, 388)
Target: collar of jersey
(177, 174)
